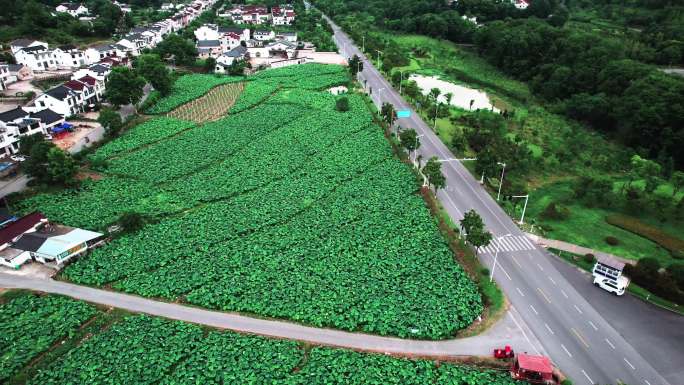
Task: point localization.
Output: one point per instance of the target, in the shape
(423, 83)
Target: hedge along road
(577, 337)
(498, 335)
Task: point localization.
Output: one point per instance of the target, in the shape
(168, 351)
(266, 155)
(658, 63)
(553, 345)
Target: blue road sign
(403, 113)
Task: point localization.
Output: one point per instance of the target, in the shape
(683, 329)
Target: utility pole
(379, 52)
(363, 45)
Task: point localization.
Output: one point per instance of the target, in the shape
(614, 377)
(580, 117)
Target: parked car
(18, 158)
(616, 287)
(48, 137)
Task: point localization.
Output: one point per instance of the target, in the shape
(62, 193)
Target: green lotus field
(283, 208)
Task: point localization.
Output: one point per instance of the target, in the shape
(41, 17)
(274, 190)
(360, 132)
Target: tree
(448, 97)
(648, 170)
(209, 65)
(61, 168)
(355, 65)
(409, 140)
(677, 181)
(475, 231)
(177, 48)
(131, 222)
(434, 94)
(124, 87)
(433, 173)
(237, 67)
(342, 104)
(150, 67)
(389, 115)
(110, 121)
(486, 163)
(27, 142)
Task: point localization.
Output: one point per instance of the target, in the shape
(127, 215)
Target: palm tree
(435, 92)
(448, 97)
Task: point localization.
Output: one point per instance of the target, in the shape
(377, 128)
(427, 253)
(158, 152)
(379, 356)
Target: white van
(616, 287)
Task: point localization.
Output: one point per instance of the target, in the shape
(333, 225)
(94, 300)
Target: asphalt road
(657, 332)
(574, 334)
(498, 335)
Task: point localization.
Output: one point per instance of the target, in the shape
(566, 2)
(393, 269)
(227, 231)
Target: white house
(56, 243)
(97, 85)
(48, 119)
(282, 15)
(4, 77)
(98, 71)
(168, 7)
(10, 256)
(18, 44)
(243, 33)
(99, 52)
(86, 94)
(225, 60)
(259, 52)
(14, 124)
(73, 9)
(207, 32)
(60, 99)
(521, 4)
(37, 57)
(264, 35)
(209, 48)
(69, 56)
(282, 47)
(287, 36)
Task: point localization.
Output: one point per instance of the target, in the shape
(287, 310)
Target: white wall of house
(65, 107)
(37, 61)
(70, 59)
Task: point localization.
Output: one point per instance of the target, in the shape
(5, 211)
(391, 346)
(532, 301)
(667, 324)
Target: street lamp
(363, 46)
(503, 165)
(527, 197)
(434, 128)
(379, 99)
(496, 254)
(379, 52)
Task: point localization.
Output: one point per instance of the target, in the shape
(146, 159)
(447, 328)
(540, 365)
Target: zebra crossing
(517, 243)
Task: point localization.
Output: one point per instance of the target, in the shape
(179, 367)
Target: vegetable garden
(211, 106)
(151, 350)
(190, 87)
(286, 208)
(30, 324)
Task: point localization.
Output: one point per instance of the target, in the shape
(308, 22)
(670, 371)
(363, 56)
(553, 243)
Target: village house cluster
(259, 14)
(33, 237)
(263, 47)
(88, 69)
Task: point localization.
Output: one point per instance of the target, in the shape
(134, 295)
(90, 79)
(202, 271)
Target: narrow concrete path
(499, 335)
(574, 249)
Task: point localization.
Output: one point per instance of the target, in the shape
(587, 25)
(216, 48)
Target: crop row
(151, 350)
(189, 87)
(30, 324)
(214, 105)
(254, 93)
(143, 134)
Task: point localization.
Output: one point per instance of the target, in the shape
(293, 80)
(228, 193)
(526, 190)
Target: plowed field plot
(211, 106)
(284, 208)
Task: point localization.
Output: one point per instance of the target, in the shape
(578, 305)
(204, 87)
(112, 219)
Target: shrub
(589, 258)
(555, 212)
(612, 241)
(484, 271)
(342, 104)
(676, 271)
(677, 254)
(131, 222)
(566, 382)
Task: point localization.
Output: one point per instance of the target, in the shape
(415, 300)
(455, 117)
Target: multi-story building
(14, 124)
(37, 57)
(69, 56)
(72, 9)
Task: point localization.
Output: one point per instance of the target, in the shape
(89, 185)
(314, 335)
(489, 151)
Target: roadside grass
(587, 226)
(633, 288)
